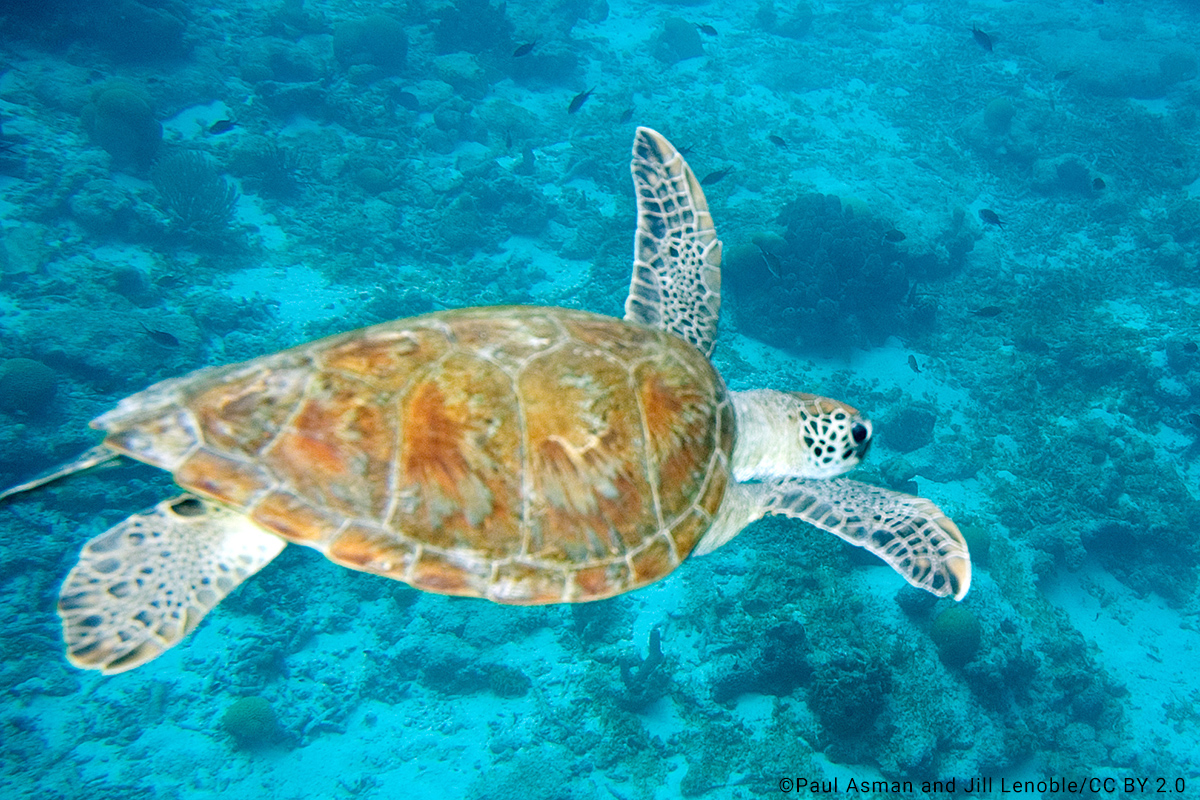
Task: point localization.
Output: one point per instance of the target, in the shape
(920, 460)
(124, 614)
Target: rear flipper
(143, 585)
(910, 533)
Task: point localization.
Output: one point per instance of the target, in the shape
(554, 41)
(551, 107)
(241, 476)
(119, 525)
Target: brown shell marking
(526, 455)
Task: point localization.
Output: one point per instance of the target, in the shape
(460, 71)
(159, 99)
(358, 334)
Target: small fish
(578, 100)
(525, 49)
(713, 177)
(221, 126)
(160, 337)
(626, 116)
(683, 151)
(990, 217)
(1190, 347)
(1098, 184)
(894, 236)
(982, 38)
(778, 141)
(706, 29)
(988, 311)
(771, 260)
(1194, 419)
(508, 140)
(912, 362)
(408, 100)
(1063, 74)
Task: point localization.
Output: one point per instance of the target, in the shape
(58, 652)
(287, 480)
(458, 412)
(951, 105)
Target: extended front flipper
(910, 533)
(143, 585)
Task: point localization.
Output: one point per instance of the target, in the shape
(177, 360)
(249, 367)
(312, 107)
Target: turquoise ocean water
(976, 222)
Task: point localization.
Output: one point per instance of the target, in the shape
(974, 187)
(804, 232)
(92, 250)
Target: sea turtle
(521, 454)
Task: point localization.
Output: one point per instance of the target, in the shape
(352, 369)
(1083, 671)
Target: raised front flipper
(676, 282)
(143, 585)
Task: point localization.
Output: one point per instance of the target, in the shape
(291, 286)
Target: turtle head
(834, 437)
(792, 434)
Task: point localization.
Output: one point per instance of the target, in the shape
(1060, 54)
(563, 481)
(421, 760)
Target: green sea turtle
(521, 454)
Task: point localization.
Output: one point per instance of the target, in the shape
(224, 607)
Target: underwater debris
(578, 100)
(982, 38)
(990, 217)
(714, 177)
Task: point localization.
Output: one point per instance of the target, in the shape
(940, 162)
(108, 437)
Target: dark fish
(1063, 74)
(1194, 419)
(988, 311)
(578, 100)
(508, 140)
(524, 49)
(894, 236)
(683, 151)
(626, 116)
(1190, 347)
(912, 362)
(713, 177)
(778, 141)
(706, 29)
(160, 337)
(990, 217)
(221, 126)
(984, 40)
(408, 100)
(1098, 184)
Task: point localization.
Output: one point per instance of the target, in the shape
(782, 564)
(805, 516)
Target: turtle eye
(859, 432)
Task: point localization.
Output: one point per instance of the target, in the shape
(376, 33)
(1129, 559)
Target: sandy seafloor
(1064, 435)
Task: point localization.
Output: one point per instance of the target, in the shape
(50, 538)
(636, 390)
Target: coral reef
(679, 40)
(27, 386)
(377, 41)
(644, 681)
(197, 197)
(473, 26)
(776, 665)
(836, 280)
(120, 119)
(251, 722)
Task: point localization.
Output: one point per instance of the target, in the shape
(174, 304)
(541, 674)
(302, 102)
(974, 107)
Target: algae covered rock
(379, 41)
(26, 385)
(957, 633)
